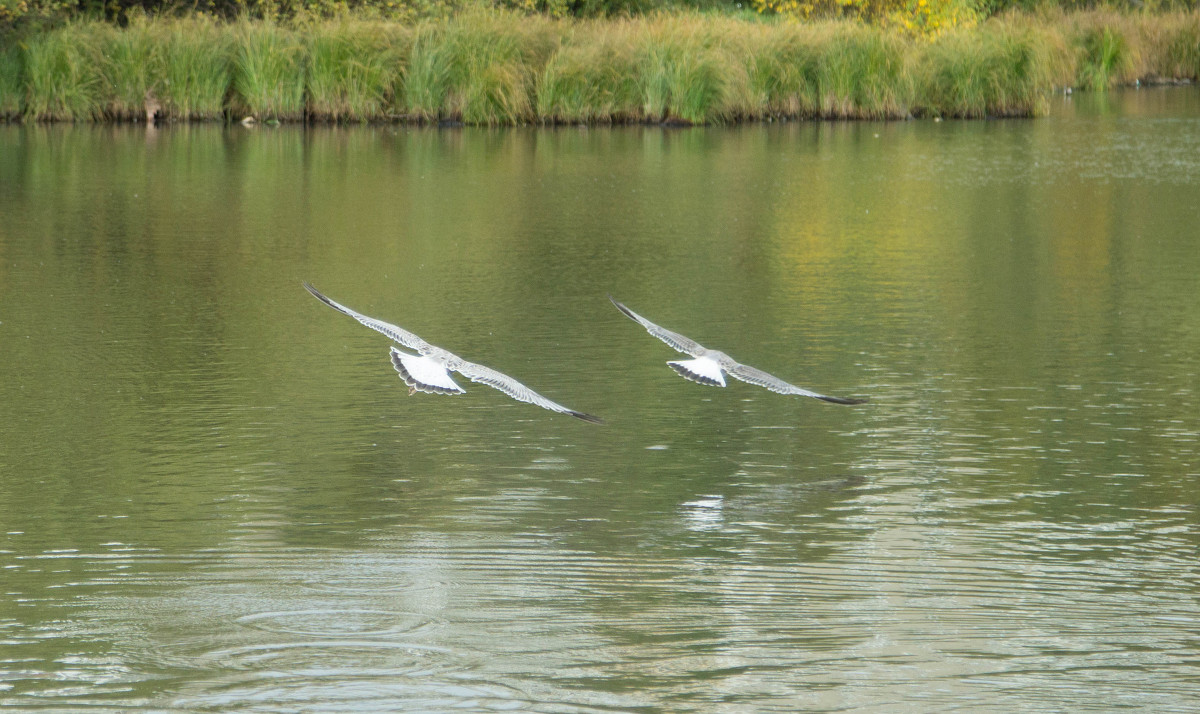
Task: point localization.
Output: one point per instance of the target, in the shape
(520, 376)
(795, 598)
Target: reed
(1105, 56)
(354, 70)
(268, 72)
(1001, 70)
(863, 74)
(496, 68)
(61, 75)
(479, 68)
(687, 71)
(784, 71)
(10, 82)
(1168, 47)
(197, 68)
(591, 78)
(130, 62)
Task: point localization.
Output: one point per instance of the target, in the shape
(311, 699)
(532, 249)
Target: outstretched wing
(514, 389)
(751, 375)
(398, 334)
(674, 339)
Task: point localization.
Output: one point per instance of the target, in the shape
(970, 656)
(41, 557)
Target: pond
(216, 494)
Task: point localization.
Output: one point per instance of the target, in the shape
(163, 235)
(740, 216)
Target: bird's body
(429, 369)
(710, 366)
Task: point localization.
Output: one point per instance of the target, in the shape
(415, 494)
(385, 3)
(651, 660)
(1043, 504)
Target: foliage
(10, 82)
(502, 68)
(862, 74)
(268, 71)
(1001, 70)
(923, 17)
(354, 69)
(1104, 55)
(478, 69)
(591, 78)
(197, 68)
(62, 74)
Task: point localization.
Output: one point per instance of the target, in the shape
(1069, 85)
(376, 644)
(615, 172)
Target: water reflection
(215, 497)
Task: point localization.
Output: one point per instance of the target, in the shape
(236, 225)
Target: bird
(710, 366)
(429, 369)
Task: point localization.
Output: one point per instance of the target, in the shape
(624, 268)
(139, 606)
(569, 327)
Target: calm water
(215, 494)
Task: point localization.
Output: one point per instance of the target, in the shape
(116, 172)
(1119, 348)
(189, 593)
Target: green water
(216, 495)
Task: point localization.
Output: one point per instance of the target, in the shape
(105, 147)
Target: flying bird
(711, 366)
(429, 369)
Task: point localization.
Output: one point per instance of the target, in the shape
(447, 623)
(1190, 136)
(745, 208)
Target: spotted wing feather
(498, 380)
(758, 377)
(677, 341)
(399, 334)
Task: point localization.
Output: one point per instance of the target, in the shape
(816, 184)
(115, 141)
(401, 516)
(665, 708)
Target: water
(215, 495)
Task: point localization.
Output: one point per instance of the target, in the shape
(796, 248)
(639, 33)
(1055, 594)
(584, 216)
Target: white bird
(711, 366)
(429, 370)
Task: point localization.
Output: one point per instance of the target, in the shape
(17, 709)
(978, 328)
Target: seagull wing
(514, 389)
(674, 339)
(751, 375)
(398, 334)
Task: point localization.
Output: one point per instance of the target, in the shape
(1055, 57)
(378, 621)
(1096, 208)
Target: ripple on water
(336, 622)
(358, 675)
(361, 584)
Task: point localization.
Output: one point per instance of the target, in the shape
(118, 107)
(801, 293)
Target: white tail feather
(701, 369)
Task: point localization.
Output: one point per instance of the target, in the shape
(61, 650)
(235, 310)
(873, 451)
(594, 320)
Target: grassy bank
(502, 69)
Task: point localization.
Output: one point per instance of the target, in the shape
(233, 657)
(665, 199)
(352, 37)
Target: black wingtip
(317, 294)
(586, 417)
(628, 313)
(843, 400)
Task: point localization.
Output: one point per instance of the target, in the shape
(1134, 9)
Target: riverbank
(505, 69)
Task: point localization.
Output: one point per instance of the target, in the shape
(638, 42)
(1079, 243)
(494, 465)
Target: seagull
(710, 366)
(429, 370)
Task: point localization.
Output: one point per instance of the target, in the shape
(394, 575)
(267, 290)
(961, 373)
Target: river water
(216, 495)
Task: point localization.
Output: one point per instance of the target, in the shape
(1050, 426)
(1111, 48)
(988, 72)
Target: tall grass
(62, 75)
(268, 72)
(10, 82)
(494, 68)
(1183, 52)
(784, 71)
(1169, 47)
(1002, 70)
(197, 68)
(130, 62)
(591, 78)
(354, 70)
(480, 68)
(863, 74)
(686, 71)
(1105, 55)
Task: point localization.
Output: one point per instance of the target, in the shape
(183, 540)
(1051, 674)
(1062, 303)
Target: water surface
(216, 495)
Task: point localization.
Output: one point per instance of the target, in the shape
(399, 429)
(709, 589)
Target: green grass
(354, 70)
(1000, 71)
(496, 68)
(862, 75)
(197, 69)
(10, 82)
(784, 72)
(590, 80)
(686, 73)
(268, 72)
(62, 77)
(1104, 57)
(130, 62)
(480, 68)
